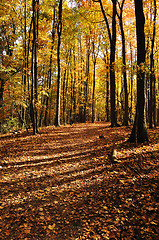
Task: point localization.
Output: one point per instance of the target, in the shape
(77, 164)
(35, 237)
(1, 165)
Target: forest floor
(62, 185)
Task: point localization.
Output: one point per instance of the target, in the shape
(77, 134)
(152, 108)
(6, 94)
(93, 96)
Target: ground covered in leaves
(62, 185)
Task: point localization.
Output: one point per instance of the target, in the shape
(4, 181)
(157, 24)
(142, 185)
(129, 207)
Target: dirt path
(61, 184)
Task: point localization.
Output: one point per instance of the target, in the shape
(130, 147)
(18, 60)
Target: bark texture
(139, 131)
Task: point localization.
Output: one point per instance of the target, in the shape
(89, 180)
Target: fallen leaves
(61, 184)
(51, 227)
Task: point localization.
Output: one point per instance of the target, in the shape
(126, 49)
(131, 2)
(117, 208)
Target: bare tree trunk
(50, 72)
(36, 64)
(112, 70)
(59, 32)
(72, 84)
(124, 63)
(112, 39)
(93, 94)
(131, 78)
(81, 83)
(87, 77)
(1, 92)
(64, 99)
(74, 87)
(139, 131)
(25, 62)
(106, 60)
(94, 82)
(34, 84)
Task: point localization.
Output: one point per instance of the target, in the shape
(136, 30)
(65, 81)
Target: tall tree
(87, 76)
(139, 131)
(34, 85)
(46, 121)
(59, 32)
(94, 56)
(112, 40)
(120, 16)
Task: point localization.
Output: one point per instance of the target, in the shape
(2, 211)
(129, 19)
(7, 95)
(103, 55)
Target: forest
(63, 62)
(79, 119)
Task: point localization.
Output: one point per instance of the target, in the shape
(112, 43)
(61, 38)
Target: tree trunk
(87, 77)
(34, 84)
(59, 32)
(106, 60)
(25, 62)
(50, 72)
(64, 99)
(74, 87)
(112, 39)
(139, 131)
(112, 69)
(124, 64)
(94, 82)
(131, 78)
(107, 101)
(1, 92)
(93, 94)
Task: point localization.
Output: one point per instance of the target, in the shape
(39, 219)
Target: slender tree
(94, 56)
(34, 84)
(87, 76)
(139, 131)
(112, 40)
(120, 16)
(59, 32)
(46, 121)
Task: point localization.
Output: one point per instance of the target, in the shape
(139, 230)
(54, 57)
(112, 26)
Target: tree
(120, 16)
(59, 32)
(94, 56)
(139, 131)
(34, 85)
(112, 39)
(50, 69)
(66, 39)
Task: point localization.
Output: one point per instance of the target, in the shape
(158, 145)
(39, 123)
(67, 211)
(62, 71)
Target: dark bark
(139, 131)
(32, 115)
(33, 110)
(1, 92)
(107, 101)
(59, 32)
(36, 64)
(46, 121)
(131, 78)
(71, 100)
(112, 39)
(124, 63)
(112, 70)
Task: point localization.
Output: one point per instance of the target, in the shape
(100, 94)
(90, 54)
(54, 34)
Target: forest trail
(61, 184)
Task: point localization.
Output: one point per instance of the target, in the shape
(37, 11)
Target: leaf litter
(61, 184)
